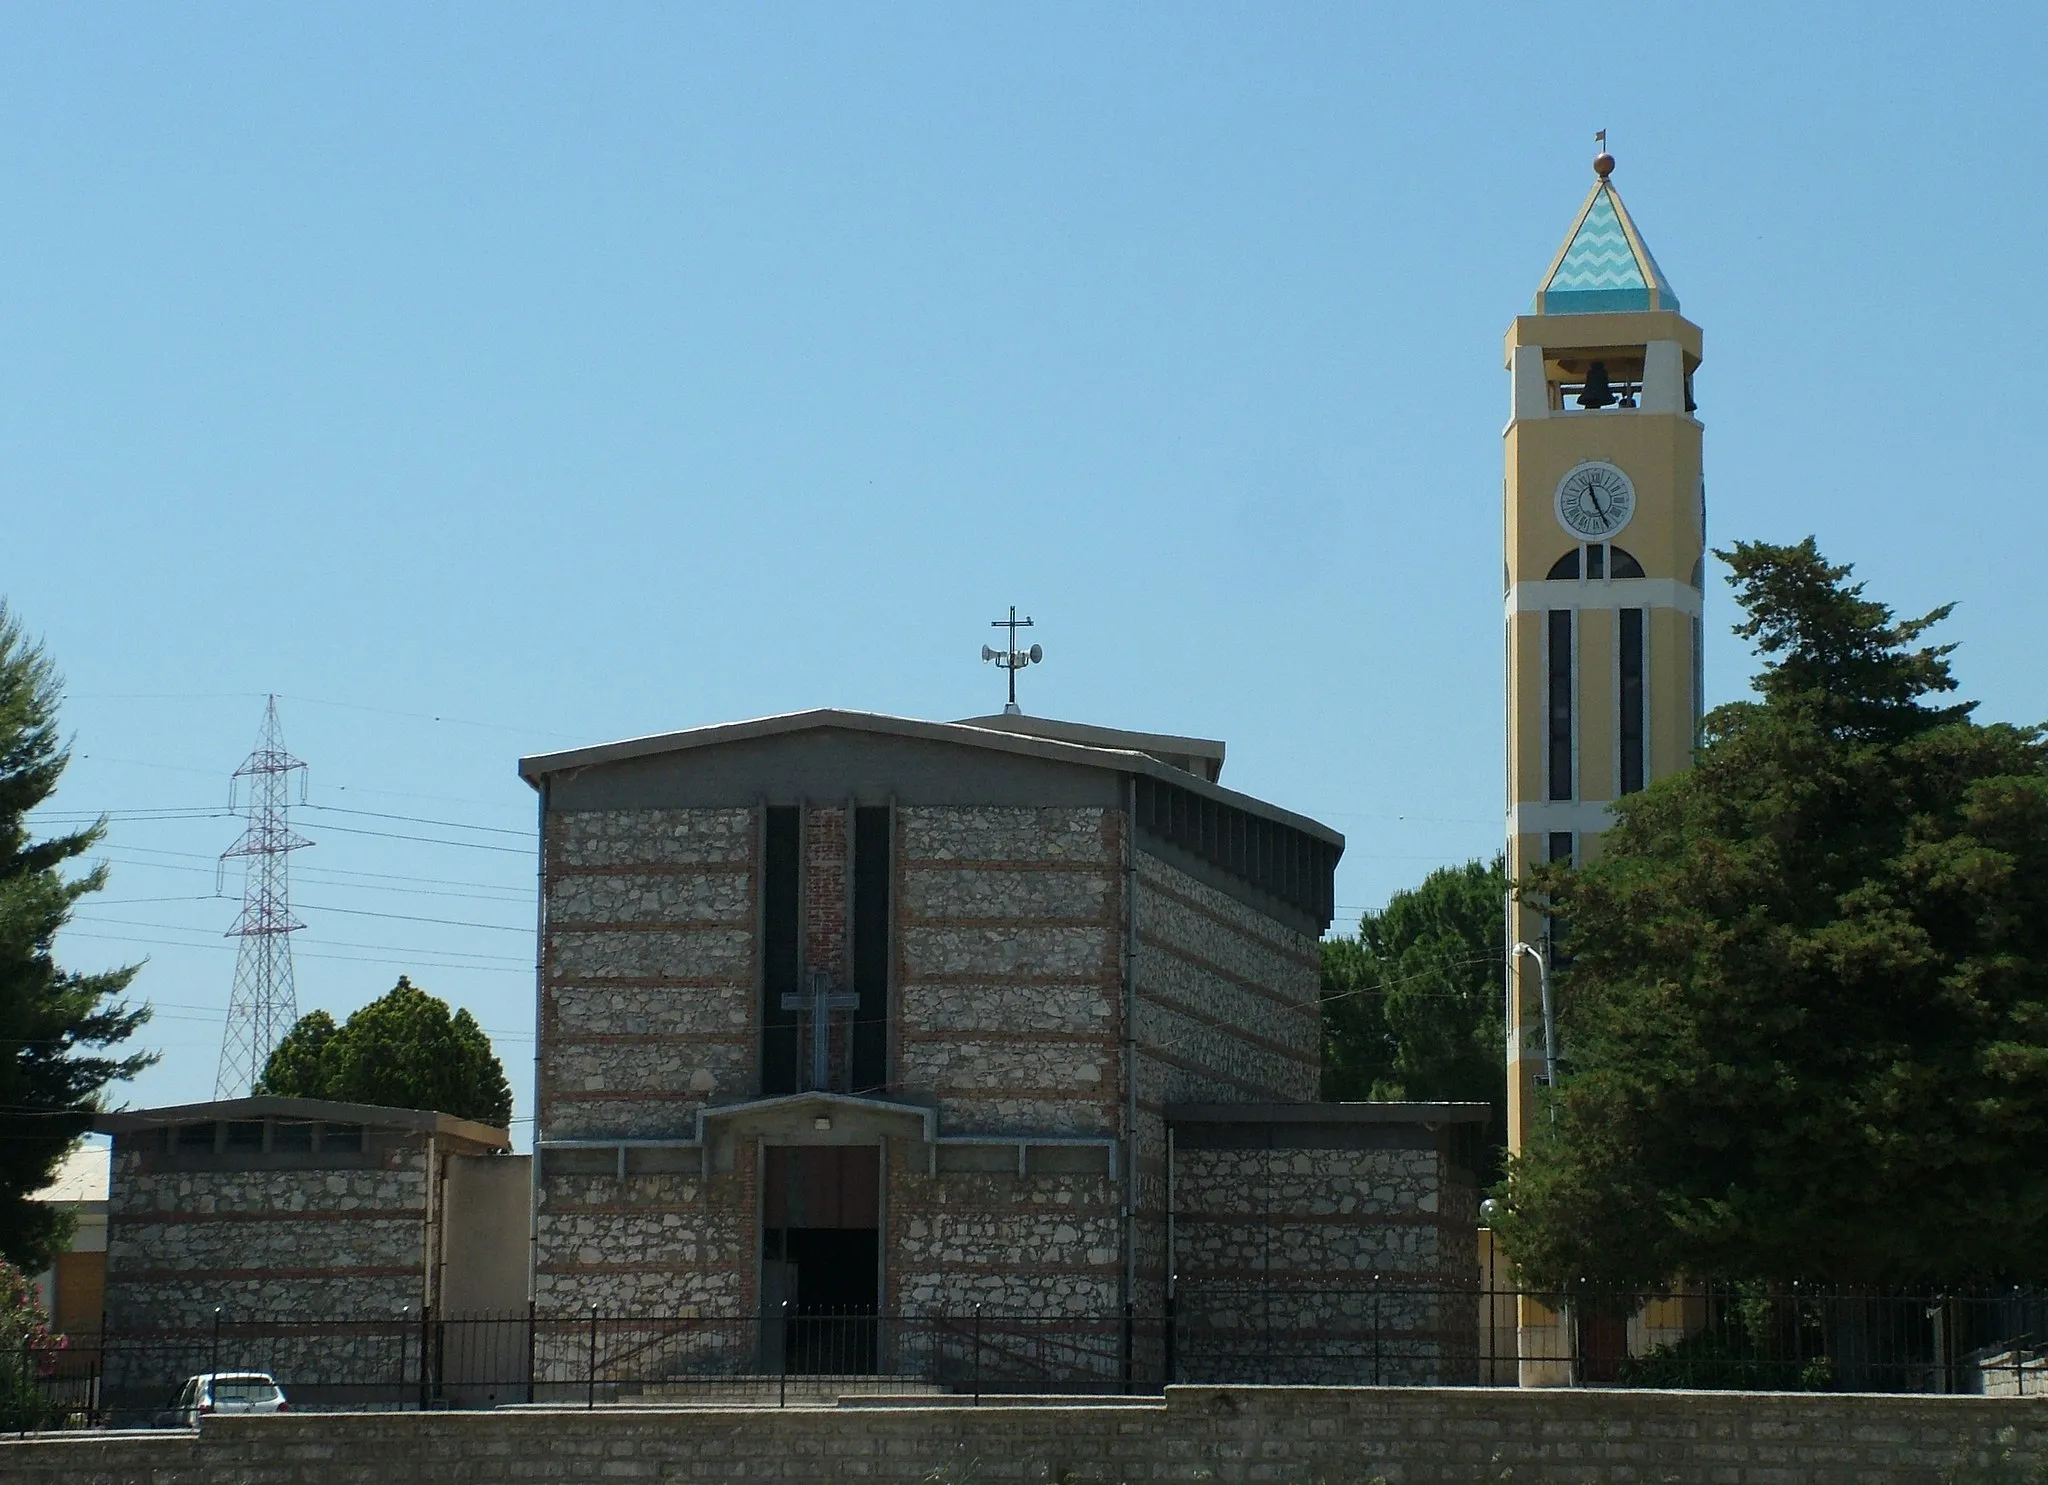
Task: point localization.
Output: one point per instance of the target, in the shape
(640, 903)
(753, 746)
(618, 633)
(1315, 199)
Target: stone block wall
(1328, 1265)
(1039, 1244)
(1228, 1012)
(1342, 1436)
(648, 1011)
(1006, 1014)
(648, 969)
(278, 1244)
(1008, 991)
(669, 1243)
(1007, 974)
(280, 1252)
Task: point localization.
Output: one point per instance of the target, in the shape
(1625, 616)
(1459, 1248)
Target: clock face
(1595, 500)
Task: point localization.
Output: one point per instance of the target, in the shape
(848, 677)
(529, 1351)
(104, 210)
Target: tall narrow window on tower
(1633, 754)
(1559, 692)
(781, 956)
(1699, 679)
(871, 872)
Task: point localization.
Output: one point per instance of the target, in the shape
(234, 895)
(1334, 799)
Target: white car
(224, 1392)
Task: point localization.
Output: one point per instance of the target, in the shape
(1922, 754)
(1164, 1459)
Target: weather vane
(1012, 659)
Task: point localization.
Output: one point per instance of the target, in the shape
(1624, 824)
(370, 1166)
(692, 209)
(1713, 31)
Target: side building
(289, 1234)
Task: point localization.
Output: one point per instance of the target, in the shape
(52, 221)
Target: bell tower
(1604, 543)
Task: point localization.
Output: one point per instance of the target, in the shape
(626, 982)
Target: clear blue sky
(487, 379)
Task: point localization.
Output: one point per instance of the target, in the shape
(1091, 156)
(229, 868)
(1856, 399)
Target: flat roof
(270, 1106)
(978, 734)
(81, 1179)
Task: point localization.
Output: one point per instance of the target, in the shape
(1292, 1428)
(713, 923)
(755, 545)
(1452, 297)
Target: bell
(1628, 397)
(1596, 392)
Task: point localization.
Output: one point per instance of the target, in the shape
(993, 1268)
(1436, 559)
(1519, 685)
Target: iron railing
(1377, 1332)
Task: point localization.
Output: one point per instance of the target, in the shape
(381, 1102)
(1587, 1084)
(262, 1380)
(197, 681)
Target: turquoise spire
(1604, 265)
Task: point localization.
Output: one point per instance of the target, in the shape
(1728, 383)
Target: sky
(483, 380)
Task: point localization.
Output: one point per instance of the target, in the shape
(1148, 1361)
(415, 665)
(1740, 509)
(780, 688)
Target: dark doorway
(820, 1255)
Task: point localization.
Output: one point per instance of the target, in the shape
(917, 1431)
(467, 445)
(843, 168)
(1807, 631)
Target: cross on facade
(820, 1003)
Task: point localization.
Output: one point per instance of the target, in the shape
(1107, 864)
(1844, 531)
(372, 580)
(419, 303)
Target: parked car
(223, 1392)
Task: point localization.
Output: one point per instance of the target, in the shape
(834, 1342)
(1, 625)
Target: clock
(1595, 500)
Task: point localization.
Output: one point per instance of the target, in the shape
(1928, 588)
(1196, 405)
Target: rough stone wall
(1227, 1012)
(1007, 976)
(648, 969)
(1380, 1436)
(661, 1243)
(1007, 1011)
(1326, 1265)
(1040, 1244)
(648, 1011)
(1227, 996)
(276, 1251)
(271, 1244)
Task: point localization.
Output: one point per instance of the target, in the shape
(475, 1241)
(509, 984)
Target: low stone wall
(1352, 1436)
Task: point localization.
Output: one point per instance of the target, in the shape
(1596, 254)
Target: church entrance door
(821, 1254)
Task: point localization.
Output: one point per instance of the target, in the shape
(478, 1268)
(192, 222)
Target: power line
(468, 845)
(149, 814)
(425, 957)
(317, 907)
(512, 895)
(385, 876)
(325, 942)
(335, 809)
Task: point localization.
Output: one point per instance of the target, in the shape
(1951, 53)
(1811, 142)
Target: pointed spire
(1604, 265)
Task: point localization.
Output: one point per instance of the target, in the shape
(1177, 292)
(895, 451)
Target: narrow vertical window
(781, 959)
(1596, 561)
(871, 913)
(1699, 679)
(1633, 754)
(1561, 845)
(1560, 697)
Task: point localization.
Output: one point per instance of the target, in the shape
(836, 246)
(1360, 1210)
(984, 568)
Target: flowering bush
(28, 1353)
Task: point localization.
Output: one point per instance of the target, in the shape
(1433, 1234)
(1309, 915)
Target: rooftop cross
(819, 1004)
(1012, 659)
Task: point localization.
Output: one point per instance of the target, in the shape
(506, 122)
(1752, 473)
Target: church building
(874, 1016)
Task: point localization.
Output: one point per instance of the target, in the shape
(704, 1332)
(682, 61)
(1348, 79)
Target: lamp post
(1549, 1023)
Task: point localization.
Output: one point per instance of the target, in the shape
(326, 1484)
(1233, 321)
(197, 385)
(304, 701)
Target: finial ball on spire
(1603, 164)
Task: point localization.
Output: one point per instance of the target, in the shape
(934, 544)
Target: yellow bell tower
(1605, 534)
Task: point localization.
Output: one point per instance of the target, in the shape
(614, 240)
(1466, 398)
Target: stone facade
(279, 1214)
(647, 1001)
(1078, 939)
(1338, 1251)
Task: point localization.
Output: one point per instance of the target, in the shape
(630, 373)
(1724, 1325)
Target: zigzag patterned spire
(1604, 265)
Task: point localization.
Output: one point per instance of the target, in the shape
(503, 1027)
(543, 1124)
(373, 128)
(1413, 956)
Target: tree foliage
(29, 1352)
(1806, 1019)
(404, 1050)
(1412, 1005)
(58, 1029)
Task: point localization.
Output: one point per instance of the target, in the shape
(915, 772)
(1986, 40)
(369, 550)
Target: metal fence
(1374, 1333)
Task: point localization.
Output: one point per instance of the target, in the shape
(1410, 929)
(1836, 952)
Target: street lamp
(1549, 1024)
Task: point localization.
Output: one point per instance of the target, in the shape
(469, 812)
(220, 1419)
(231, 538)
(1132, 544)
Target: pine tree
(403, 1050)
(57, 1028)
(1806, 1019)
